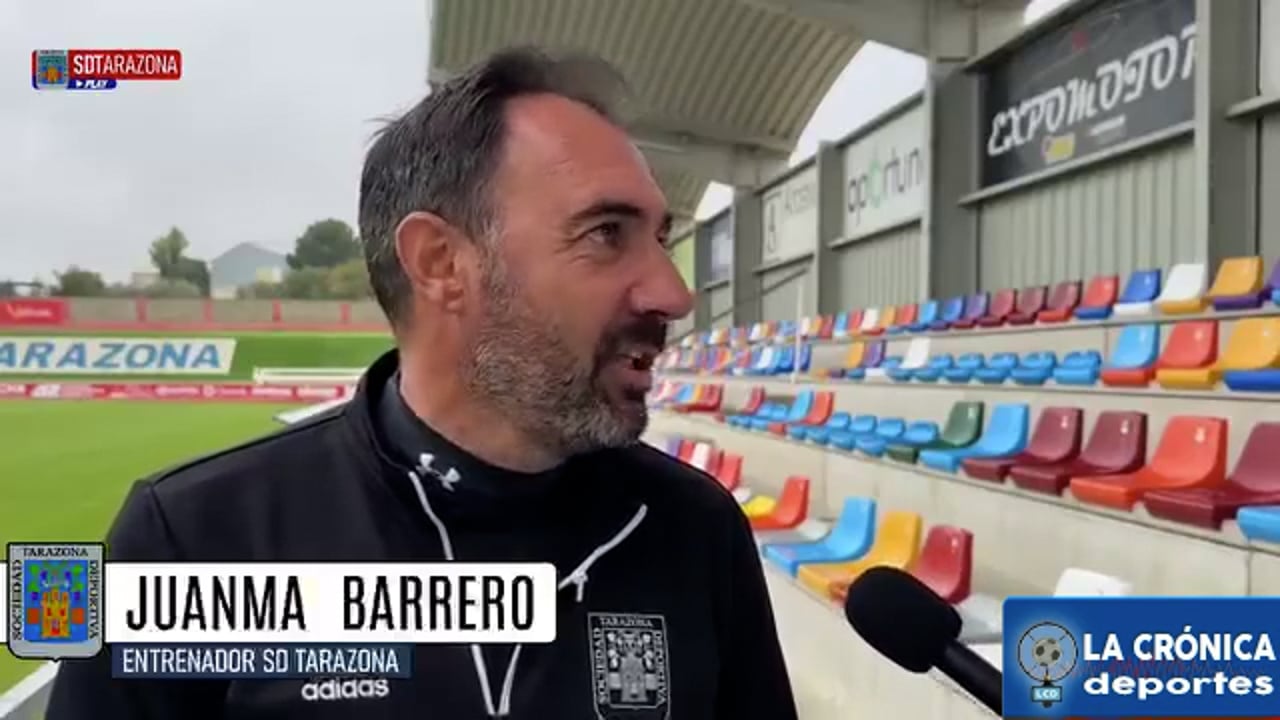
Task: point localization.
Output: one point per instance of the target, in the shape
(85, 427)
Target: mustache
(646, 330)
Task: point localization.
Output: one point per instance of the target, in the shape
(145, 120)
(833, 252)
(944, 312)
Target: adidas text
(333, 689)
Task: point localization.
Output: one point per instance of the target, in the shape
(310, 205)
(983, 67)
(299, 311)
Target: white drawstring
(578, 578)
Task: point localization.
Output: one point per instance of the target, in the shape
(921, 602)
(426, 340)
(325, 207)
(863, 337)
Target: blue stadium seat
(786, 360)
(850, 538)
(951, 311)
(822, 434)
(1141, 290)
(794, 414)
(769, 412)
(966, 365)
(887, 430)
(859, 426)
(1006, 434)
(1034, 368)
(1134, 358)
(1260, 522)
(937, 365)
(1079, 368)
(927, 316)
(997, 368)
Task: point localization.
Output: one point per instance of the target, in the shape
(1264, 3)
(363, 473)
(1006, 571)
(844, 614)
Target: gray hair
(440, 156)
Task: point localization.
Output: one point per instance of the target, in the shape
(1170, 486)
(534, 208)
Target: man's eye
(609, 233)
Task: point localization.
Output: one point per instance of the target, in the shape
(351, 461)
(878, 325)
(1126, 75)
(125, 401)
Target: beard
(523, 366)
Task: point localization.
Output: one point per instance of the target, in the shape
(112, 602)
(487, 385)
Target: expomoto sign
(1119, 72)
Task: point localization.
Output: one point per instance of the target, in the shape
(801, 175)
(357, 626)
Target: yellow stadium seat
(884, 321)
(1254, 345)
(897, 545)
(759, 506)
(1237, 276)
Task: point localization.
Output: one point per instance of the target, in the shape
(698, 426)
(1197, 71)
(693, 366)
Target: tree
(76, 282)
(324, 244)
(167, 252)
(195, 272)
(173, 288)
(306, 284)
(8, 288)
(349, 281)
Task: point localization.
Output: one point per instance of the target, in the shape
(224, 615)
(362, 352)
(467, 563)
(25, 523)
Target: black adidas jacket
(661, 540)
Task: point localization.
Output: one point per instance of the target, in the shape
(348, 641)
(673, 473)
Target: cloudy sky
(264, 133)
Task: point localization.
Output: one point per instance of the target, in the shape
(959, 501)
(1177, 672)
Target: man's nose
(661, 289)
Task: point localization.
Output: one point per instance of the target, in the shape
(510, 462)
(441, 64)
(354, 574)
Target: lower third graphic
(55, 600)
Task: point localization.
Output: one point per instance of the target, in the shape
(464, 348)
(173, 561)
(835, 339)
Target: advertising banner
(790, 224)
(721, 234)
(1140, 657)
(1122, 71)
(884, 176)
(55, 355)
(33, 311)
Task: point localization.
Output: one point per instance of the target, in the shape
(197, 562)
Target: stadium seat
(1099, 297)
(945, 564)
(1117, 445)
(933, 370)
(822, 435)
(962, 429)
(672, 447)
(1081, 367)
(706, 457)
(1189, 360)
(1056, 439)
(1006, 434)
(1239, 284)
(852, 359)
(1260, 524)
(707, 399)
(997, 368)
(685, 453)
(883, 369)
(757, 506)
(1030, 302)
(870, 320)
(797, 411)
(884, 320)
(730, 471)
(1133, 361)
(887, 431)
(975, 308)
(1273, 284)
(791, 509)
(824, 327)
(1192, 454)
(1140, 292)
(1252, 360)
(897, 545)
(981, 615)
(1062, 302)
(904, 318)
(916, 358)
(951, 311)
(871, 359)
(1184, 289)
(1003, 303)
(847, 439)
(850, 538)
(1034, 368)
(927, 315)
(964, 367)
(819, 413)
(1255, 481)
(755, 398)
(919, 433)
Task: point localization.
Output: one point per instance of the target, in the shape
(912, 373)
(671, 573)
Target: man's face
(576, 288)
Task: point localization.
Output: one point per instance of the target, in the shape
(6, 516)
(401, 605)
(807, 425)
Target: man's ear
(428, 249)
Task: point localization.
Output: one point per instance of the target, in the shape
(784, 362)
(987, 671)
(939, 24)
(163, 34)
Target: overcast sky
(264, 133)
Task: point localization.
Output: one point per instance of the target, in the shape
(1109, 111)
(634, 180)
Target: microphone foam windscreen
(901, 618)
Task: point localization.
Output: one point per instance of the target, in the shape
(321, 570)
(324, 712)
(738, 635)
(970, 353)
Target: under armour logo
(448, 479)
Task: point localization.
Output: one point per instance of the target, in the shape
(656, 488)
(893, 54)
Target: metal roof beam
(736, 165)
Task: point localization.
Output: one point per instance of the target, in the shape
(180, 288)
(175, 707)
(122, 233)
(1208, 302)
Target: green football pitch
(66, 465)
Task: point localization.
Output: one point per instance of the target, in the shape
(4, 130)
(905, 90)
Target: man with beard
(515, 239)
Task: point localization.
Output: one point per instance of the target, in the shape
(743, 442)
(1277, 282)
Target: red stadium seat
(1099, 297)
(945, 564)
(1003, 303)
(1056, 439)
(792, 507)
(751, 407)
(686, 450)
(1062, 302)
(1193, 345)
(730, 471)
(1030, 303)
(1118, 444)
(819, 413)
(1192, 454)
(1256, 481)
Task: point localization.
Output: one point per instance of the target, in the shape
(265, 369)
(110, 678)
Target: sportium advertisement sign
(1122, 71)
(884, 176)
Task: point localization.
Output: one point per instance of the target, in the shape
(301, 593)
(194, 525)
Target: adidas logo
(334, 689)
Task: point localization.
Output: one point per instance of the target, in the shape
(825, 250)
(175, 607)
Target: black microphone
(908, 623)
